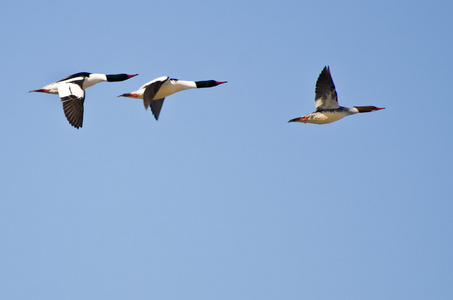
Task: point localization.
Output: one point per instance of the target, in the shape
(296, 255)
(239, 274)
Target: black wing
(72, 96)
(326, 95)
(156, 106)
(148, 97)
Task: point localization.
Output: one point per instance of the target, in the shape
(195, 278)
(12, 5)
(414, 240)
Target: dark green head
(119, 77)
(208, 83)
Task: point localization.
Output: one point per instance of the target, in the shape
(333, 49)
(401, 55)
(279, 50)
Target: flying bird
(72, 92)
(154, 92)
(326, 102)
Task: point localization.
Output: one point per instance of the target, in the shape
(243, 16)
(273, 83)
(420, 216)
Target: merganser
(154, 92)
(72, 92)
(326, 102)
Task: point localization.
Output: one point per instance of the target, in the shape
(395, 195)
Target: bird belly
(170, 87)
(325, 117)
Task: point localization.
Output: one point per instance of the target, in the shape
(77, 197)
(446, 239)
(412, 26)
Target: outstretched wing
(72, 96)
(149, 94)
(325, 94)
(156, 106)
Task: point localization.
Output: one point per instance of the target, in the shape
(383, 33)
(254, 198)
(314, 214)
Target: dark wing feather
(156, 106)
(80, 74)
(148, 97)
(326, 95)
(73, 110)
(72, 96)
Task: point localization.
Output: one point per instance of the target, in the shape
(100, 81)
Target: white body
(326, 117)
(169, 87)
(154, 92)
(93, 79)
(172, 86)
(87, 82)
(72, 92)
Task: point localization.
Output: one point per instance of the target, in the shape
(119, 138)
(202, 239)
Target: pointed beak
(220, 82)
(379, 108)
(130, 76)
(298, 120)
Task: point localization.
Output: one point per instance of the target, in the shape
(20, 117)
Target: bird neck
(93, 79)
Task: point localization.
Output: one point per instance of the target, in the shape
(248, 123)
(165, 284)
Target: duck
(72, 92)
(154, 92)
(326, 102)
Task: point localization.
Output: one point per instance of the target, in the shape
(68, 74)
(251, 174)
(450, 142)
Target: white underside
(67, 89)
(88, 82)
(170, 87)
(326, 117)
(93, 79)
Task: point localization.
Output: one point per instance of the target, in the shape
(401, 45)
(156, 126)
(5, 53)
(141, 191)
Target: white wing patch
(72, 96)
(327, 101)
(325, 93)
(68, 91)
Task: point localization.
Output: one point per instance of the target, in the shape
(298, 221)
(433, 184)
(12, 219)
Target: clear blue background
(222, 198)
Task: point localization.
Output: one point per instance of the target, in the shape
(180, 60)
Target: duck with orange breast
(154, 92)
(326, 102)
(72, 92)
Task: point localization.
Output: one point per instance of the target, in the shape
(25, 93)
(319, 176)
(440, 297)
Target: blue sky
(222, 198)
